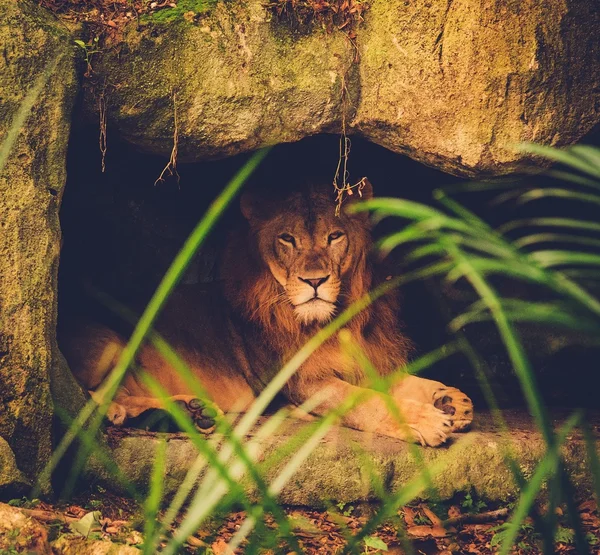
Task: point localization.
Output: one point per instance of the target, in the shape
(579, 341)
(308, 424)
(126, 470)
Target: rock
(21, 534)
(237, 81)
(72, 544)
(452, 83)
(457, 84)
(37, 54)
(12, 481)
(341, 468)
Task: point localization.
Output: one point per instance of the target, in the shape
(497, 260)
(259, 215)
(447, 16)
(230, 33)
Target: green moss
(169, 15)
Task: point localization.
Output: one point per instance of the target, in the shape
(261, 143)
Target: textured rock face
(12, 481)
(31, 182)
(236, 81)
(452, 83)
(457, 83)
(336, 470)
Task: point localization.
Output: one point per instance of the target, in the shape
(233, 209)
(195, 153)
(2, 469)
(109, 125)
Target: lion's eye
(335, 235)
(287, 238)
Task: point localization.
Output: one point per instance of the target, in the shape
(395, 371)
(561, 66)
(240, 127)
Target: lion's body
(289, 271)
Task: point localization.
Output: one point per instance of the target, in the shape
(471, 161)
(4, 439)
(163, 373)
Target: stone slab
(342, 467)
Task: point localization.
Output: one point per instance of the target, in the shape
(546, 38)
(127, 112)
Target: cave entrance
(122, 229)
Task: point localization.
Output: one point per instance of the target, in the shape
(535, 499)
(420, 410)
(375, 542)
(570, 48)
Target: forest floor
(465, 525)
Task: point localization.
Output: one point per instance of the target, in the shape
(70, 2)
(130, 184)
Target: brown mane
(250, 288)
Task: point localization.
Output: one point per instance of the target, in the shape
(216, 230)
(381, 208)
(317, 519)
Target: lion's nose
(314, 282)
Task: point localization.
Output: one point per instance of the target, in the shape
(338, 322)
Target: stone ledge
(336, 470)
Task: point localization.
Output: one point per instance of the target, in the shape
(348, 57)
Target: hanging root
(341, 184)
(102, 138)
(170, 170)
(333, 14)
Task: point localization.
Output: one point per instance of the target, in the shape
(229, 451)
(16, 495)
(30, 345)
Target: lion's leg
(450, 400)
(417, 422)
(126, 406)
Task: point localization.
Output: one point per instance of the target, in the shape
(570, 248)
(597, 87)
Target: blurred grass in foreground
(449, 242)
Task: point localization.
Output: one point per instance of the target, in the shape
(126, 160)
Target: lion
(292, 267)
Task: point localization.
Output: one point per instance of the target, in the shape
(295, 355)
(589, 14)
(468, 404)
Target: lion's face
(308, 249)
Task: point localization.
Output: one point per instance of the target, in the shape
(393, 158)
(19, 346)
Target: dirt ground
(464, 525)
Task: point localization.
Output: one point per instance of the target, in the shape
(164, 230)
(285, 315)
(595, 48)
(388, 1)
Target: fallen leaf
(409, 516)
(220, 547)
(86, 524)
(426, 531)
(435, 520)
(195, 542)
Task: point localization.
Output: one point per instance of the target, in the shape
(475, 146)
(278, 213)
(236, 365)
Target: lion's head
(311, 254)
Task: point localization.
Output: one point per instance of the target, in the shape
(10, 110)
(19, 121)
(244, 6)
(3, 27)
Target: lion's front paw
(202, 414)
(116, 414)
(429, 424)
(456, 405)
(417, 422)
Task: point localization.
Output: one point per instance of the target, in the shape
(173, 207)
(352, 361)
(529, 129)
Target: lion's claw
(456, 404)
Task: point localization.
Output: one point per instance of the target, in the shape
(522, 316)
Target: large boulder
(37, 90)
(452, 83)
(458, 84)
(236, 80)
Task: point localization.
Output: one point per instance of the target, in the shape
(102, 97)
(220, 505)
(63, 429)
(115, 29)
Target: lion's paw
(430, 425)
(456, 405)
(419, 422)
(202, 414)
(116, 414)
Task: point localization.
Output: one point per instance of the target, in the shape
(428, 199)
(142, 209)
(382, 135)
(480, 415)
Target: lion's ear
(367, 190)
(248, 206)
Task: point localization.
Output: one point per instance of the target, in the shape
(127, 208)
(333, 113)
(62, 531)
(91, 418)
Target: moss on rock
(12, 481)
(350, 466)
(235, 86)
(457, 84)
(452, 83)
(31, 186)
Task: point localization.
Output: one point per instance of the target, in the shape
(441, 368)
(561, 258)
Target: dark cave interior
(121, 231)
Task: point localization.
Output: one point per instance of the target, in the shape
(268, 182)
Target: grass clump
(183, 10)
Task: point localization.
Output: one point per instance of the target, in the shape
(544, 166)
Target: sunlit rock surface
(22, 533)
(31, 186)
(453, 83)
(458, 83)
(12, 481)
(347, 465)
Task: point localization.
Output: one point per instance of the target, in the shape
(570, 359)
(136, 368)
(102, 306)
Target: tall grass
(448, 242)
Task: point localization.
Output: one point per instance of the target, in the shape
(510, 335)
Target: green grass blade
(547, 466)
(568, 157)
(556, 192)
(567, 223)
(573, 178)
(549, 258)
(589, 153)
(169, 281)
(102, 455)
(559, 314)
(153, 501)
(537, 238)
